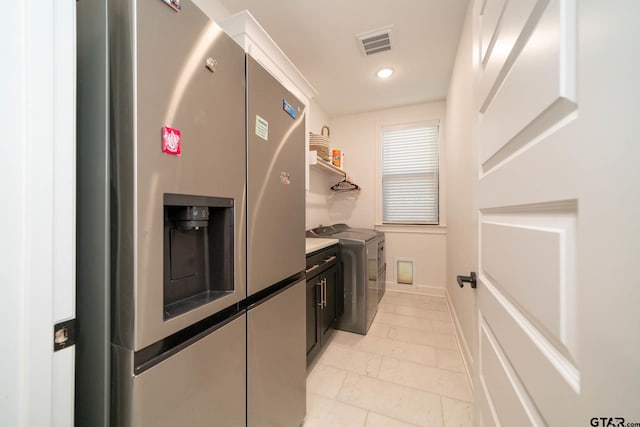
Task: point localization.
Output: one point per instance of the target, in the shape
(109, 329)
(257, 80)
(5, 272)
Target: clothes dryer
(358, 257)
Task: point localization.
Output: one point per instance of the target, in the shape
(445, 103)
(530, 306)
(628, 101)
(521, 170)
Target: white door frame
(37, 169)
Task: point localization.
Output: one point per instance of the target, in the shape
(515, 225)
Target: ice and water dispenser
(198, 251)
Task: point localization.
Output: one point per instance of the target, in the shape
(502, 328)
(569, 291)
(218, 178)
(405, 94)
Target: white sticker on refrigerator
(262, 128)
(285, 178)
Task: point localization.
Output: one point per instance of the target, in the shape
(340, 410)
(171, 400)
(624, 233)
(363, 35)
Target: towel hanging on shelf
(345, 185)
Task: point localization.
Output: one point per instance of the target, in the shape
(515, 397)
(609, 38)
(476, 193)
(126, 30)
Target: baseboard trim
(416, 289)
(463, 346)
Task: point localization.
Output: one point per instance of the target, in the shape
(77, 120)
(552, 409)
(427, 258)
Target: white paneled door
(558, 212)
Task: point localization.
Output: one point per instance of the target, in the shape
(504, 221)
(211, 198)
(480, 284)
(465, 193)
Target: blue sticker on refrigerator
(289, 109)
(175, 4)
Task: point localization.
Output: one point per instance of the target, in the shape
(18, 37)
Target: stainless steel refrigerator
(161, 217)
(276, 316)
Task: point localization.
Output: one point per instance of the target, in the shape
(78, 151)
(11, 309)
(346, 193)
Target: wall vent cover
(404, 271)
(375, 41)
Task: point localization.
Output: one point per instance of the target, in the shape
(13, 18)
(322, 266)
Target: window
(410, 159)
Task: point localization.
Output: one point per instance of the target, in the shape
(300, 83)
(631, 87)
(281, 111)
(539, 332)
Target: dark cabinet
(324, 302)
(313, 330)
(329, 315)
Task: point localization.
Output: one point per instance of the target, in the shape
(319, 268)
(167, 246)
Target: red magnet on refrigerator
(171, 141)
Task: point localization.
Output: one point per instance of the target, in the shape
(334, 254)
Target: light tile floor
(407, 371)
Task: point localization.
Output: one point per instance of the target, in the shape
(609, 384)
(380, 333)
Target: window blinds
(410, 175)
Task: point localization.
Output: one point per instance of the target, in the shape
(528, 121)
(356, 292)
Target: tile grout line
(416, 388)
(340, 402)
(388, 335)
(373, 353)
(432, 330)
(415, 343)
(393, 418)
(391, 383)
(413, 389)
(423, 309)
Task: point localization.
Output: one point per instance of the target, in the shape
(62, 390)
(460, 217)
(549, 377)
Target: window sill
(413, 229)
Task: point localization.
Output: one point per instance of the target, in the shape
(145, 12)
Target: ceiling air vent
(375, 41)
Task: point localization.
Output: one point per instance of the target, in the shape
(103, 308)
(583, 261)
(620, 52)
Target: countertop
(314, 243)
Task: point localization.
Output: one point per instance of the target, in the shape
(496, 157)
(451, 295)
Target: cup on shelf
(336, 157)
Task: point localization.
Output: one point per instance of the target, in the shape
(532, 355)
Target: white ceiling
(319, 36)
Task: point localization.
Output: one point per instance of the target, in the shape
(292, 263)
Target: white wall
(357, 135)
(428, 252)
(461, 237)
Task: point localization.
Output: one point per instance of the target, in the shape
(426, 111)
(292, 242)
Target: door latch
(64, 334)
(468, 279)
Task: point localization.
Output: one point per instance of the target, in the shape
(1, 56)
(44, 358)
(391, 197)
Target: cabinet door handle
(325, 291)
(321, 302)
(328, 260)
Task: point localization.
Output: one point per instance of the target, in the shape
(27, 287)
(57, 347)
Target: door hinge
(65, 334)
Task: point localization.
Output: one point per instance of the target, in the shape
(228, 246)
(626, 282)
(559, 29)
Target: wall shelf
(317, 163)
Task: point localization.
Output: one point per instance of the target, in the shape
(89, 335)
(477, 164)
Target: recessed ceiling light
(384, 73)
